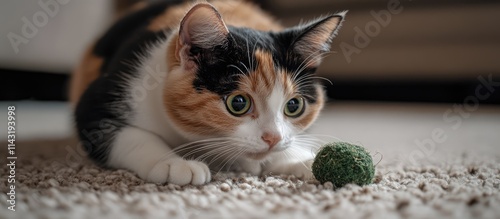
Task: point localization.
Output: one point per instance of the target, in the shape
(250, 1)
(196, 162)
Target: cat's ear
(315, 38)
(203, 27)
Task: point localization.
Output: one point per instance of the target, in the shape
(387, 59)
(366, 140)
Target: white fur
(150, 113)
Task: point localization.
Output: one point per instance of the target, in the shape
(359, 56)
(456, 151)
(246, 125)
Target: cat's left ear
(315, 38)
(202, 28)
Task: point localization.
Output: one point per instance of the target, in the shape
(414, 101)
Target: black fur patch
(127, 30)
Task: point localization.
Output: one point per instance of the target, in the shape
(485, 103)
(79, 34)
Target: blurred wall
(403, 39)
(49, 35)
(380, 39)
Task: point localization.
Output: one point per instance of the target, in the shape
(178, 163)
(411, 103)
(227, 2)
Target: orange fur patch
(201, 113)
(124, 9)
(169, 19)
(245, 14)
(235, 13)
(87, 71)
(262, 80)
(138, 6)
(288, 86)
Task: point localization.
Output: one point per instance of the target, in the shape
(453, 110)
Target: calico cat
(174, 88)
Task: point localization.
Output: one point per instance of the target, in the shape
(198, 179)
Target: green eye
(238, 104)
(294, 107)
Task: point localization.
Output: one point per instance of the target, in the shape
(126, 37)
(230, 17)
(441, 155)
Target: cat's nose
(271, 139)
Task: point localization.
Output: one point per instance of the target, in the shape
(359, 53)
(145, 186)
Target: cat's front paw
(180, 172)
(298, 169)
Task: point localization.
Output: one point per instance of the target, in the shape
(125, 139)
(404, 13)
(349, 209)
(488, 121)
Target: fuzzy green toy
(342, 163)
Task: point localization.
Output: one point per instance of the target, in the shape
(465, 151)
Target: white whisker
(246, 68)
(296, 157)
(235, 156)
(234, 66)
(307, 63)
(227, 151)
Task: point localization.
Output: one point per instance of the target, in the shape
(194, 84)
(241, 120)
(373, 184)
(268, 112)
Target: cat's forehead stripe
(266, 76)
(265, 71)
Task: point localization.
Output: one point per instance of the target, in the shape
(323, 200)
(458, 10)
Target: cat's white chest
(147, 98)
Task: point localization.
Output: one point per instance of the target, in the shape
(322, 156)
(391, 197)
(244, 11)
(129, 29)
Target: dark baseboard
(406, 90)
(26, 85)
(29, 85)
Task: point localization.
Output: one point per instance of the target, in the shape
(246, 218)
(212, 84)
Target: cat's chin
(258, 155)
(262, 155)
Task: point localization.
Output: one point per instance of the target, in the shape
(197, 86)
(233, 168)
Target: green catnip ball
(342, 163)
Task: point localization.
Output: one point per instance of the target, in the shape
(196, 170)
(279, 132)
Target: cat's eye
(294, 107)
(238, 104)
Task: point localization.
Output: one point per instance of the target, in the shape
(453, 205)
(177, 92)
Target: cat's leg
(153, 160)
(298, 164)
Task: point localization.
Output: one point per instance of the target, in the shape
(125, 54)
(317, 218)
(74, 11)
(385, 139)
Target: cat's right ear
(201, 28)
(314, 38)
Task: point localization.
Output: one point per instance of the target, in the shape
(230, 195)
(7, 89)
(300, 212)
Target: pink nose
(271, 139)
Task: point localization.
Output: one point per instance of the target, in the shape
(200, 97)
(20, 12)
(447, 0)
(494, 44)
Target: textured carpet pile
(50, 186)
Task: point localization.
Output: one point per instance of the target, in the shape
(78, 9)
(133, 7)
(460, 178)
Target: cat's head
(256, 88)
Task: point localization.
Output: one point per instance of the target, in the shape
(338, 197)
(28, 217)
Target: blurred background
(392, 50)
(403, 50)
(388, 51)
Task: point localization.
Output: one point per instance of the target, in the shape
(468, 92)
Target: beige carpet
(456, 180)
